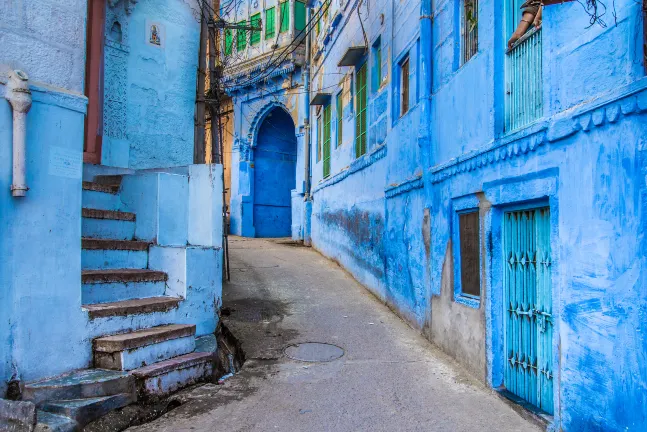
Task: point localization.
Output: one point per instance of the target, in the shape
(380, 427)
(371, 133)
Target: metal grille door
(528, 306)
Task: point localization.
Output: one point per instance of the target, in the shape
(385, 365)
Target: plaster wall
(40, 252)
(50, 54)
(150, 89)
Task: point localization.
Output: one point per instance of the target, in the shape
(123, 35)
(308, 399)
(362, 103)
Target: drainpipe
(306, 119)
(426, 50)
(19, 98)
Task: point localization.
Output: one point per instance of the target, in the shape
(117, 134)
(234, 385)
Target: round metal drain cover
(314, 352)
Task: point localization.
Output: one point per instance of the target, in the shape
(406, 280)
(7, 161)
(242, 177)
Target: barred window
(469, 29)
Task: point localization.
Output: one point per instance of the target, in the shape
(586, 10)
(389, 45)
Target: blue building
(111, 253)
(492, 196)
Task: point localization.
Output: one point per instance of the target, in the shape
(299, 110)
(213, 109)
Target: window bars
(469, 30)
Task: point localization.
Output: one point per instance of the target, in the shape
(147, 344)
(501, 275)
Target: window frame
(270, 22)
(241, 37)
(361, 112)
(284, 21)
(376, 69)
(327, 140)
(405, 85)
(465, 55)
(319, 135)
(255, 35)
(339, 110)
(468, 204)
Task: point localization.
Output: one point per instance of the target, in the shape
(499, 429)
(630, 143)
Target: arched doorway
(275, 159)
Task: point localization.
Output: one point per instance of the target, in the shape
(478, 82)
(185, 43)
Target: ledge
(358, 164)
(50, 95)
(407, 186)
(609, 108)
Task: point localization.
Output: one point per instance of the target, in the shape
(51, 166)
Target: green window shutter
(299, 16)
(229, 42)
(270, 24)
(327, 114)
(377, 66)
(241, 37)
(360, 108)
(284, 16)
(340, 118)
(255, 21)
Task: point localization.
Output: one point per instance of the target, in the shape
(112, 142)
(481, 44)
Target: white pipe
(19, 97)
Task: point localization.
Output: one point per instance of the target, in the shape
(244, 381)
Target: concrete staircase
(142, 353)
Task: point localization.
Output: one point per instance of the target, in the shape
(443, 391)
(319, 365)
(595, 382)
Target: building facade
(111, 239)
(492, 196)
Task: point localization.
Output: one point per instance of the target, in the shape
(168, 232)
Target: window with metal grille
(469, 29)
(270, 24)
(255, 21)
(523, 73)
(284, 16)
(360, 112)
(229, 41)
(327, 118)
(340, 118)
(376, 71)
(468, 233)
(299, 15)
(241, 37)
(404, 87)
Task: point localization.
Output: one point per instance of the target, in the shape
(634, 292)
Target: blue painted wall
(150, 89)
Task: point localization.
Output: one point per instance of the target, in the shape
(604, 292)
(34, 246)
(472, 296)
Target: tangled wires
(596, 9)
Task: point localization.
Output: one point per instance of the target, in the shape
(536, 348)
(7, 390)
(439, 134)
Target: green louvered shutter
(229, 42)
(327, 114)
(299, 16)
(284, 16)
(360, 108)
(270, 23)
(241, 37)
(255, 21)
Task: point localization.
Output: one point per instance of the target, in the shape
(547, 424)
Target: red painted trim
(94, 81)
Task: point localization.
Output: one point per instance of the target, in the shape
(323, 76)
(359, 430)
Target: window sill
(468, 300)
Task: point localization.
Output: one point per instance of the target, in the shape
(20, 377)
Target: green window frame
(340, 118)
(229, 42)
(299, 16)
(284, 13)
(255, 21)
(327, 117)
(360, 108)
(270, 23)
(241, 37)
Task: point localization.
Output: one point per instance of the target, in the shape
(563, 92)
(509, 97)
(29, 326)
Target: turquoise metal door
(528, 306)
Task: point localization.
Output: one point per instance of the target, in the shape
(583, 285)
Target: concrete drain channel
(313, 352)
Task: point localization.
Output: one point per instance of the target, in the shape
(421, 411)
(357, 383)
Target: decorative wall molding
(357, 165)
(404, 187)
(610, 108)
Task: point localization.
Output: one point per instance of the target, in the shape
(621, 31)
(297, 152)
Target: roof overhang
(321, 99)
(352, 56)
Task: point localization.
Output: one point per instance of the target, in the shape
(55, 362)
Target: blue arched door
(275, 159)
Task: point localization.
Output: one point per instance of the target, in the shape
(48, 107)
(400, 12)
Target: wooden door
(94, 81)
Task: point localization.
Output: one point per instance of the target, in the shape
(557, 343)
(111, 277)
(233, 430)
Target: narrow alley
(389, 377)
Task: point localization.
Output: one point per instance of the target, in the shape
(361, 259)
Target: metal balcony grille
(524, 97)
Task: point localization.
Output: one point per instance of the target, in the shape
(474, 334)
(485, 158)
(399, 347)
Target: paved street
(389, 379)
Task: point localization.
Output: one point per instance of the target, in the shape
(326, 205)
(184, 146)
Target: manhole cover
(314, 352)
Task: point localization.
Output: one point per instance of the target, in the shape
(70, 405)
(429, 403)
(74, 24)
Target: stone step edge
(107, 244)
(85, 410)
(122, 275)
(176, 363)
(142, 338)
(132, 307)
(107, 214)
(102, 188)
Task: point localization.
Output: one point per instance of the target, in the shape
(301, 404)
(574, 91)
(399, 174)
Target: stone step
(108, 229)
(106, 244)
(136, 306)
(112, 180)
(160, 379)
(122, 276)
(48, 422)
(92, 213)
(143, 347)
(84, 411)
(98, 197)
(118, 291)
(103, 188)
(86, 383)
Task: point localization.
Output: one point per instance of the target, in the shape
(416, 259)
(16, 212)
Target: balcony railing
(524, 96)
